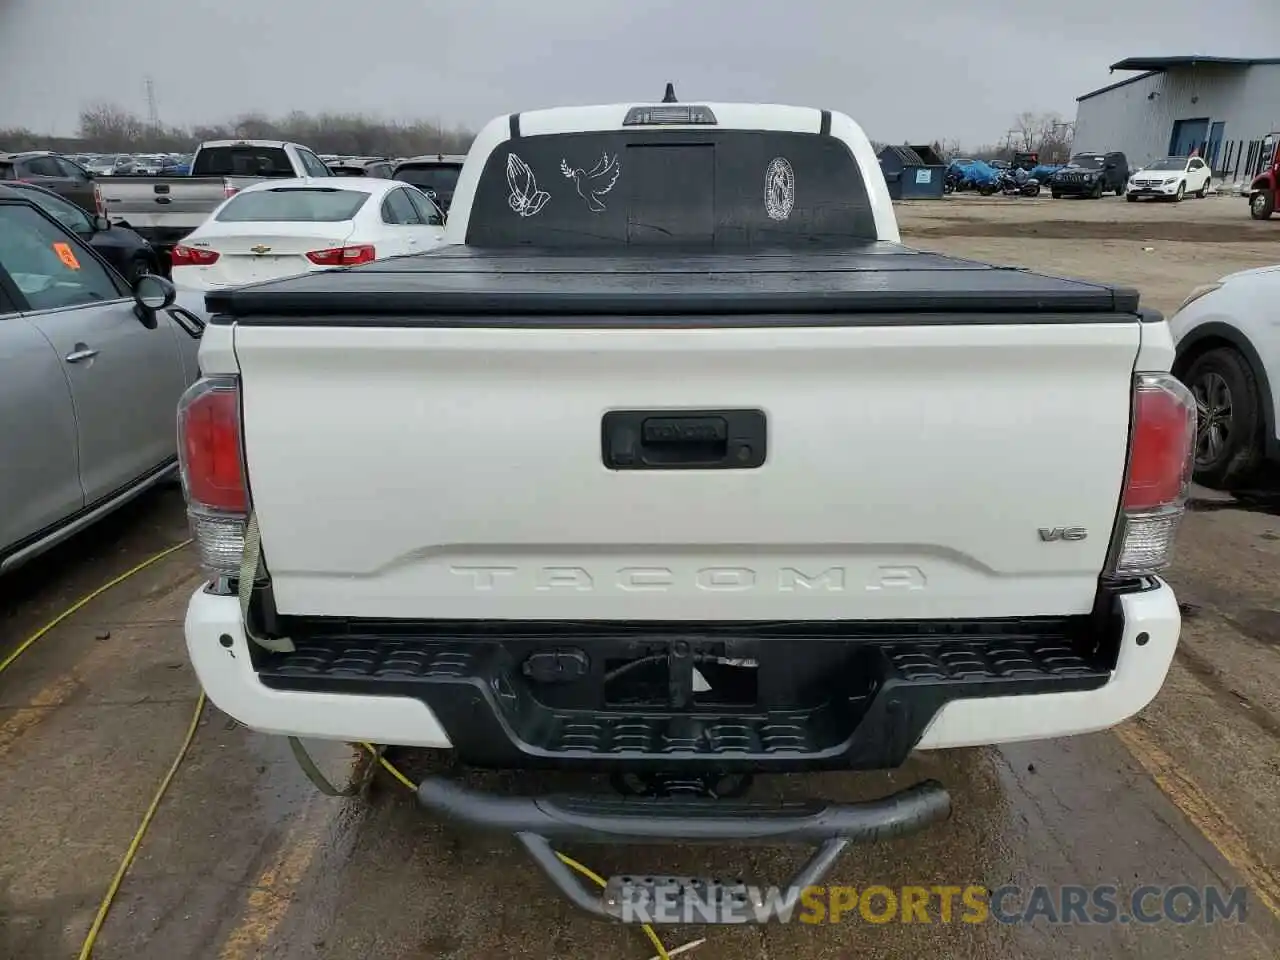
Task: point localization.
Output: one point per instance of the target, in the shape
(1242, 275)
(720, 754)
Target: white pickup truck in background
(166, 209)
(674, 465)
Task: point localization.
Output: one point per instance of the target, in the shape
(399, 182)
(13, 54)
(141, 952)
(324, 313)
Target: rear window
(301, 204)
(669, 187)
(442, 178)
(243, 161)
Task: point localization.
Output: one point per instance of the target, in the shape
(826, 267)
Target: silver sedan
(90, 376)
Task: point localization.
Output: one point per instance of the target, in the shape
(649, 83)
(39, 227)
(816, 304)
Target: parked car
(165, 209)
(1091, 175)
(64, 177)
(112, 165)
(148, 164)
(598, 486)
(125, 250)
(362, 167)
(436, 175)
(286, 227)
(1228, 354)
(176, 166)
(1170, 179)
(90, 376)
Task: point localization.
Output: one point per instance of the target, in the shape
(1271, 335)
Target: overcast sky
(913, 70)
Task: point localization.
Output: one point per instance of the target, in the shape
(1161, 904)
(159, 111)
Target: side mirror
(152, 294)
(101, 223)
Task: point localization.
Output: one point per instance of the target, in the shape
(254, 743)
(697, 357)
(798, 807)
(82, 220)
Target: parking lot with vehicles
(245, 859)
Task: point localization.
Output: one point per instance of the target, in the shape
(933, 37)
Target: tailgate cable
(250, 570)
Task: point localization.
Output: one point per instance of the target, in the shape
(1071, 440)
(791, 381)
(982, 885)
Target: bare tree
(109, 127)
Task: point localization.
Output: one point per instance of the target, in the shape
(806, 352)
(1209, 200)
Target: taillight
(181, 256)
(343, 256)
(211, 459)
(99, 204)
(228, 191)
(1158, 475)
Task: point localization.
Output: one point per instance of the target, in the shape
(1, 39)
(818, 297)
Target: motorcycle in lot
(1018, 183)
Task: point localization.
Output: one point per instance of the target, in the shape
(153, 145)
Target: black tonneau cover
(460, 285)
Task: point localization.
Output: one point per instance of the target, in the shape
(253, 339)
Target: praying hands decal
(525, 197)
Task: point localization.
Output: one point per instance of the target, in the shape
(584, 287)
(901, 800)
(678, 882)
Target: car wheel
(1262, 205)
(1200, 194)
(1056, 195)
(139, 267)
(1131, 197)
(1182, 192)
(1228, 419)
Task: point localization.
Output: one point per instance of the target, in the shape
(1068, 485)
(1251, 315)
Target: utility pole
(153, 113)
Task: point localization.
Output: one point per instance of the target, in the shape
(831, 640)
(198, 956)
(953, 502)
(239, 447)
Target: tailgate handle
(683, 440)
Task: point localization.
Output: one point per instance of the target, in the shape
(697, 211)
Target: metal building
(1223, 108)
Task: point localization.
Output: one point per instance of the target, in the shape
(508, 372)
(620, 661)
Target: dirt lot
(245, 860)
(1163, 249)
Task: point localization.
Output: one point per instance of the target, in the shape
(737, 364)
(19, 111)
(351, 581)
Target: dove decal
(594, 183)
(525, 199)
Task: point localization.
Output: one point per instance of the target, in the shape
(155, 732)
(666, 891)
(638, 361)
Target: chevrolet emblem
(260, 249)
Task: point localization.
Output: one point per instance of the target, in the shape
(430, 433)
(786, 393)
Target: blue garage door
(1188, 135)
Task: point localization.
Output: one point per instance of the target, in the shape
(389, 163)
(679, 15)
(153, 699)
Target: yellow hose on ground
(567, 861)
(75, 607)
(86, 950)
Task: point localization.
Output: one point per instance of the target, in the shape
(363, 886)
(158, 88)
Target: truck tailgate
(910, 469)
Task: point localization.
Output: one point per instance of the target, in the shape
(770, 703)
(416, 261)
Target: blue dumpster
(913, 172)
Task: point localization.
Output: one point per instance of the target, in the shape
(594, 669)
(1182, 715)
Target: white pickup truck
(673, 464)
(166, 209)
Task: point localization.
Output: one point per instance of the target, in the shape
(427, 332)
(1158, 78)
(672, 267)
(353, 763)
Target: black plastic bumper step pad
(494, 718)
(829, 827)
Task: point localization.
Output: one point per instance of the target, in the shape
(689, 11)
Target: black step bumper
(830, 827)
(828, 696)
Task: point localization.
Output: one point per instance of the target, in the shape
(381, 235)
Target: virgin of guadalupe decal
(779, 188)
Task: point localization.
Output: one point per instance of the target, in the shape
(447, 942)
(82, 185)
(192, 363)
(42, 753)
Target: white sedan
(282, 228)
(1228, 354)
(1170, 179)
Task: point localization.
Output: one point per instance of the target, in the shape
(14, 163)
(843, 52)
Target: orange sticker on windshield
(66, 255)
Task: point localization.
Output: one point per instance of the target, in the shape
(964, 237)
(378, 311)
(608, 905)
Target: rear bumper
(465, 696)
